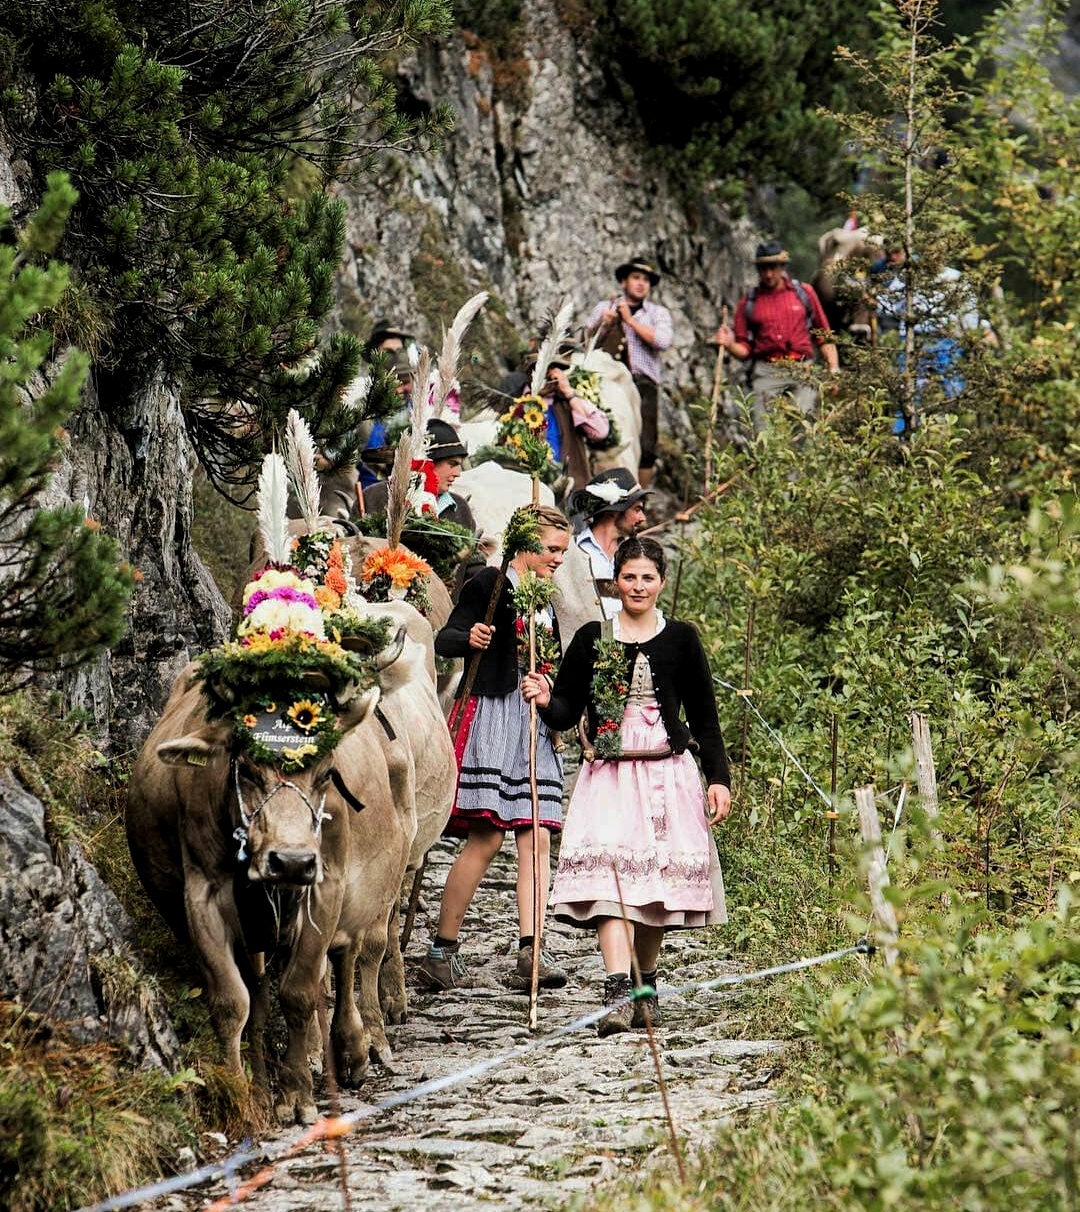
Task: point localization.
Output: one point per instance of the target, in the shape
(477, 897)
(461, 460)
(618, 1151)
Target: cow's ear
(197, 748)
(358, 708)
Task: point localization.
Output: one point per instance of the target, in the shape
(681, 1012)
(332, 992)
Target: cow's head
(276, 814)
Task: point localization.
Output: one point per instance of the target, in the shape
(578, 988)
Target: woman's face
(553, 545)
(639, 584)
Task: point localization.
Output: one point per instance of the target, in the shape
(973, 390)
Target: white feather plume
(397, 498)
(300, 460)
(451, 349)
(421, 404)
(273, 509)
(550, 344)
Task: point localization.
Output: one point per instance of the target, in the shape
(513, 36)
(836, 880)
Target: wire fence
(334, 1127)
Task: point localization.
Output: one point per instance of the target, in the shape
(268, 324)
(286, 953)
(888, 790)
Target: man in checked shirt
(635, 331)
(777, 326)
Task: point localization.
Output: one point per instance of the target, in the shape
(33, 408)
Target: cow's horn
(391, 652)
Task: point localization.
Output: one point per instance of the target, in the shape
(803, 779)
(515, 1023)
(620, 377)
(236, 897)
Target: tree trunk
(136, 479)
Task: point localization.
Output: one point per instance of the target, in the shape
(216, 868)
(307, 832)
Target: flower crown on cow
(300, 653)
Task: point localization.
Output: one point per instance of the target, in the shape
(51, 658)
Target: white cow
(622, 399)
(493, 493)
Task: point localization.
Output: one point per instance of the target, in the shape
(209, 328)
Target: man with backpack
(778, 325)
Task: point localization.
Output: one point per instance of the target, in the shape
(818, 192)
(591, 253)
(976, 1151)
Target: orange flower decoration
(328, 597)
(400, 566)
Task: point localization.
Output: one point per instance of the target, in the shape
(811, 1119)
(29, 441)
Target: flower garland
(532, 595)
(522, 429)
(609, 690)
(324, 560)
(394, 574)
(281, 600)
(586, 383)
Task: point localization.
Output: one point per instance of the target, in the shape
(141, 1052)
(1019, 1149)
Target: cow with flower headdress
(262, 821)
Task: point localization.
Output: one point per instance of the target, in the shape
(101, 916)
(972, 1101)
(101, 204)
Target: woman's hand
(535, 688)
(719, 798)
(480, 636)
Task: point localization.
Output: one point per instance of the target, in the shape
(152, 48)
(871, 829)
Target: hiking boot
(650, 1003)
(616, 990)
(548, 976)
(443, 968)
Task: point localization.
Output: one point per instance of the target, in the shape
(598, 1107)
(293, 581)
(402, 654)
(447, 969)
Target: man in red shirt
(777, 326)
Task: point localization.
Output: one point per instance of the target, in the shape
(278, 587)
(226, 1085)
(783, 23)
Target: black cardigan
(681, 679)
(498, 671)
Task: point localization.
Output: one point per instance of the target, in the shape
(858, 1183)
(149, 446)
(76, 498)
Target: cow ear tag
(197, 759)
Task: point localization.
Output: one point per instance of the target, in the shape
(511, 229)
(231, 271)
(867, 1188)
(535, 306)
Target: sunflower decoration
(394, 574)
(586, 384)
(522, 430)
(289, 734)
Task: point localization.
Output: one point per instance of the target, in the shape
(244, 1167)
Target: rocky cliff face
(541, 190)
(66, 946)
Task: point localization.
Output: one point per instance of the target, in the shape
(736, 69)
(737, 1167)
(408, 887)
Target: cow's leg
(227, 995)
(349, 1037)
(259, 983)
(301, 987)
(392, 997)
(373, 947)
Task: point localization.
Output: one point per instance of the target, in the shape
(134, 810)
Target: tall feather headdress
(550, 344)
(397, 498)
(451, 349)
(274, 509)
(300, 462)
(421, 405)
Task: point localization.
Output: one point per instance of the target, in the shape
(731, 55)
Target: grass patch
(75, 1124)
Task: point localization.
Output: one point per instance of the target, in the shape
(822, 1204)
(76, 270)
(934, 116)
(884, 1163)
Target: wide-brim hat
(384, 329)
(638, 265)
(772, 252)
(611, 491)
(445, 441)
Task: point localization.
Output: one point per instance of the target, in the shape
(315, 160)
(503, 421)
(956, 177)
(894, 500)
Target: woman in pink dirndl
(637, 856)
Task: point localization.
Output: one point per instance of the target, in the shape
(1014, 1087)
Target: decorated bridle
(241, 832)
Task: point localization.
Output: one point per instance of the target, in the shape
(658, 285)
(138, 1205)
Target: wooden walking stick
(719, 378)
(534, 794)
(533, 594)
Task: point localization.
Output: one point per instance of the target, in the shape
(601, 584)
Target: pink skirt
(637, 838)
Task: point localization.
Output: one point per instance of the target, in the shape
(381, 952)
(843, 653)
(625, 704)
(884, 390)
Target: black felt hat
(445, 443)
(611, 491)
(772, 252)
(639, 265)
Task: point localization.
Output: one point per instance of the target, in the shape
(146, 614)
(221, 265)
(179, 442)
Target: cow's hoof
(395, 1012)
(289, 1111)
(382, 1054)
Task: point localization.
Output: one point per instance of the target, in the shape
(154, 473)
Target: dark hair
(641, 549)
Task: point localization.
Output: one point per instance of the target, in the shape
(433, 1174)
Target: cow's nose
(291, 866)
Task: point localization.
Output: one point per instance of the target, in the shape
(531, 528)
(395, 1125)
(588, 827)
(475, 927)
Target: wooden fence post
(877, 874)
(925, 774)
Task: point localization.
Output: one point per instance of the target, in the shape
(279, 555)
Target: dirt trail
(537, 1128)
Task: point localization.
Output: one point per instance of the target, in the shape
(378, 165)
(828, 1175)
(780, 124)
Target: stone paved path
(539, 1128)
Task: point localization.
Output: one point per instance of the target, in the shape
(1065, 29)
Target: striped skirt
(492, 752)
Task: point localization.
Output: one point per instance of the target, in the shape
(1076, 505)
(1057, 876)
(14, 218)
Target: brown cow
(245, 862)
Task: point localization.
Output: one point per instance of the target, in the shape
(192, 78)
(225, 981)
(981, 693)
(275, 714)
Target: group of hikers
(637, 857)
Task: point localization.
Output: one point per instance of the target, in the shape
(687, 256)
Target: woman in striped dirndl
(492, 747)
